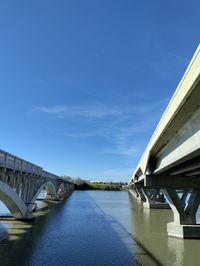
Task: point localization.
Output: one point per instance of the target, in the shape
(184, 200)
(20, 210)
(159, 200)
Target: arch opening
(13, 202)
(46, 191)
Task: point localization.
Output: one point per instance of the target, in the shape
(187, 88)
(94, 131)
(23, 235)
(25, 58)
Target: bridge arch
(13, 202)
(50, 189)
(61, 188)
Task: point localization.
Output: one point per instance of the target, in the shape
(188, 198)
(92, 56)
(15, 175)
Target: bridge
(170, 164)
(21, 182)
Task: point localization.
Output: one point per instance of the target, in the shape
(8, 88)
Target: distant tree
(79, 181)
(67, 178)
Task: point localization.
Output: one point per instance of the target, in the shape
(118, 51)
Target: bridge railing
(12, 162)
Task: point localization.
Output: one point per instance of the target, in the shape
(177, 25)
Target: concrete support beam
(172, 181)
(154, 199)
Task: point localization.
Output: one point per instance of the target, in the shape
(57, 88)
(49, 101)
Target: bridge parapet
(12, 162)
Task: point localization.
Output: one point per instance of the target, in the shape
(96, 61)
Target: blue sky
(84, 83)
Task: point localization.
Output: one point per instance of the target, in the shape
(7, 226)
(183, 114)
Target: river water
(93, 228)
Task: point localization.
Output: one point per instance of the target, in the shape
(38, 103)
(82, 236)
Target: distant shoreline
(99, 186)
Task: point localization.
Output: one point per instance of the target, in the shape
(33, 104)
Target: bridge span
(21, 182)
(170, 164)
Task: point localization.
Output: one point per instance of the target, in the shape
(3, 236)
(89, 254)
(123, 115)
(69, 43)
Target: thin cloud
(54, 110)
(127, 151)
(92, 111)
(119, 126)
(84, 135)
(98, 110)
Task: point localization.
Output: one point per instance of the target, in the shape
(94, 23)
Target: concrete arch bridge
(21, 182)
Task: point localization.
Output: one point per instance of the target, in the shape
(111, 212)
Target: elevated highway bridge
(171, 161)
(21, 182)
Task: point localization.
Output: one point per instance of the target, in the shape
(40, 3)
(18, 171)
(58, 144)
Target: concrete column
(14, 182)
(133, 192)
(140, 194)
(28, 188)
(3, 177)
(24, 188)
(18, 184)
(36, 184)
(31, 189)
(184, 225)
(11, 182)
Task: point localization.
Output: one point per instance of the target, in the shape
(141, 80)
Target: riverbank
(100, 186)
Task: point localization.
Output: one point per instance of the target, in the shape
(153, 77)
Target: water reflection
(19, 238)
(76, 232)
(94, 228)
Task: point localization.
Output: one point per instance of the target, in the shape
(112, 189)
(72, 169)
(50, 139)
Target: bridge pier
(137, 194)
(154, 199)
(185, 224)
(151, 198)
(140, 195)
(133, 192)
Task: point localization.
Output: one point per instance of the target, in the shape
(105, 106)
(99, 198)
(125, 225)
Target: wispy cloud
(92, 111)
(98, 110)
(121, 150)
(119, 125)
(85, 135)
(54, 110)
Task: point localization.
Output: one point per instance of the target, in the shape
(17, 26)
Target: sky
(83, 84)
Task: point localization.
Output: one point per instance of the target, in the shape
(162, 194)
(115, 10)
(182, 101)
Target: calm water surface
(95, 228)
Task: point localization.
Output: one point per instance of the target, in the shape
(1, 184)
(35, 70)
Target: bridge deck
(177, 136)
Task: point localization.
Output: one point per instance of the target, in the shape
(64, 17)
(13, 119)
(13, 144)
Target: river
(94, 228)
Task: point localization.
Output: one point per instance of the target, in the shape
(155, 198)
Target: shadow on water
(74, 232)
(142, 254)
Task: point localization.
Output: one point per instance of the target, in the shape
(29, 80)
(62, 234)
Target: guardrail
(12, 162)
